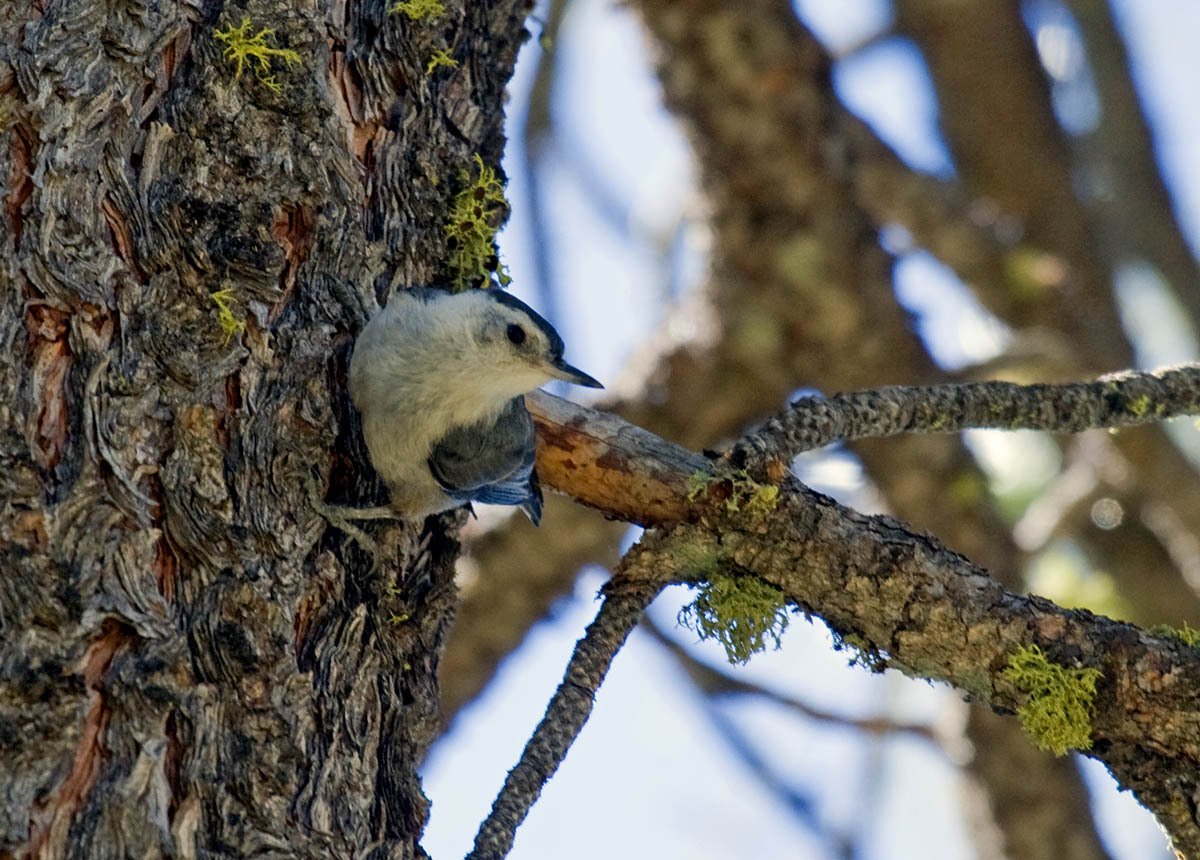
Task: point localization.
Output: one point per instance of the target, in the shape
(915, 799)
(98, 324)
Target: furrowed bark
(192, 663)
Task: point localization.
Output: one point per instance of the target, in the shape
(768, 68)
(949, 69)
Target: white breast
(411, 380)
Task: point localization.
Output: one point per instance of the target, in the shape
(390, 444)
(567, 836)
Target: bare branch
(523, 571)
(1119, 400)
(610, 464)
(626, 596)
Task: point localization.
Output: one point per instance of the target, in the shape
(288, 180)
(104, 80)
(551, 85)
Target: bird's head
(521, 350)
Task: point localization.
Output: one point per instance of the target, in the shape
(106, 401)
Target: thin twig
(1123, 400)
(625, 598)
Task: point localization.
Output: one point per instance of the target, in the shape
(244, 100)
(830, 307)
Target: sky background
(653, 774)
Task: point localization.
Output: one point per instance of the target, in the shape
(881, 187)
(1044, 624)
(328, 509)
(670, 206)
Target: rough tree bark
(191, 662)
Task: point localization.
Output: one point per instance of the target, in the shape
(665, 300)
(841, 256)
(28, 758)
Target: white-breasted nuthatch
(439, 379)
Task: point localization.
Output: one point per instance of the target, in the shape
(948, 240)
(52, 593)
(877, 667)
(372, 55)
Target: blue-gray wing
(491, 461)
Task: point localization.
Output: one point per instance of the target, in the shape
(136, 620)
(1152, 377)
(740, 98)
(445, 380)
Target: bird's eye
(516, 334)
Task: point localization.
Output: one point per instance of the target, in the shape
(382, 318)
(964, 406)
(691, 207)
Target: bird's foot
(340, 518)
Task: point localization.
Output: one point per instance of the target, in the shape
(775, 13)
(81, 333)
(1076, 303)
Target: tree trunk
(192, 661)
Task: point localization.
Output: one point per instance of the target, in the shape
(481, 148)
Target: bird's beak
(561, 370)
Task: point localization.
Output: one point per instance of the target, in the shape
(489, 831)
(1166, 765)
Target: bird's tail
(533, 505)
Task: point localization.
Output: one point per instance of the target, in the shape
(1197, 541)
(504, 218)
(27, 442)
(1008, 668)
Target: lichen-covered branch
(900, 595)
(933, 614)
(1120, 400)
(793, 239)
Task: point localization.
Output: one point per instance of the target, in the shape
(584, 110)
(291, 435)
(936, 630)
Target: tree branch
(626, 596)
(1119, 400)
(784, 178)
(923, 608)
(609, 464)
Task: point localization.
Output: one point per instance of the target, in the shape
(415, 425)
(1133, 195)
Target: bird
(439, 380)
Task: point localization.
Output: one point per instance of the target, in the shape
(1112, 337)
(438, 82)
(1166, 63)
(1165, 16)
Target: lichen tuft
(697, 485)
(743, 613)
(1058, 712)
(1140, 405)
(439, 58)
(418, 9)
(736, 490)
(230, 324)
(475, 217)
(241, 45)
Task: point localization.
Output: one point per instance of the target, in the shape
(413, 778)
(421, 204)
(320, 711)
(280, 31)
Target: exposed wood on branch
(610, 464)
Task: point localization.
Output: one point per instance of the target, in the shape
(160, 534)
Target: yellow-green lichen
(740, 492)
(439, 58)
(1057, 714)
(230, 324)
(241, 45)
(760, 498)
(743, 613)
(418, 9)
(471, 230)
(697, 485)
(1141, 405)
(1185, 634)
